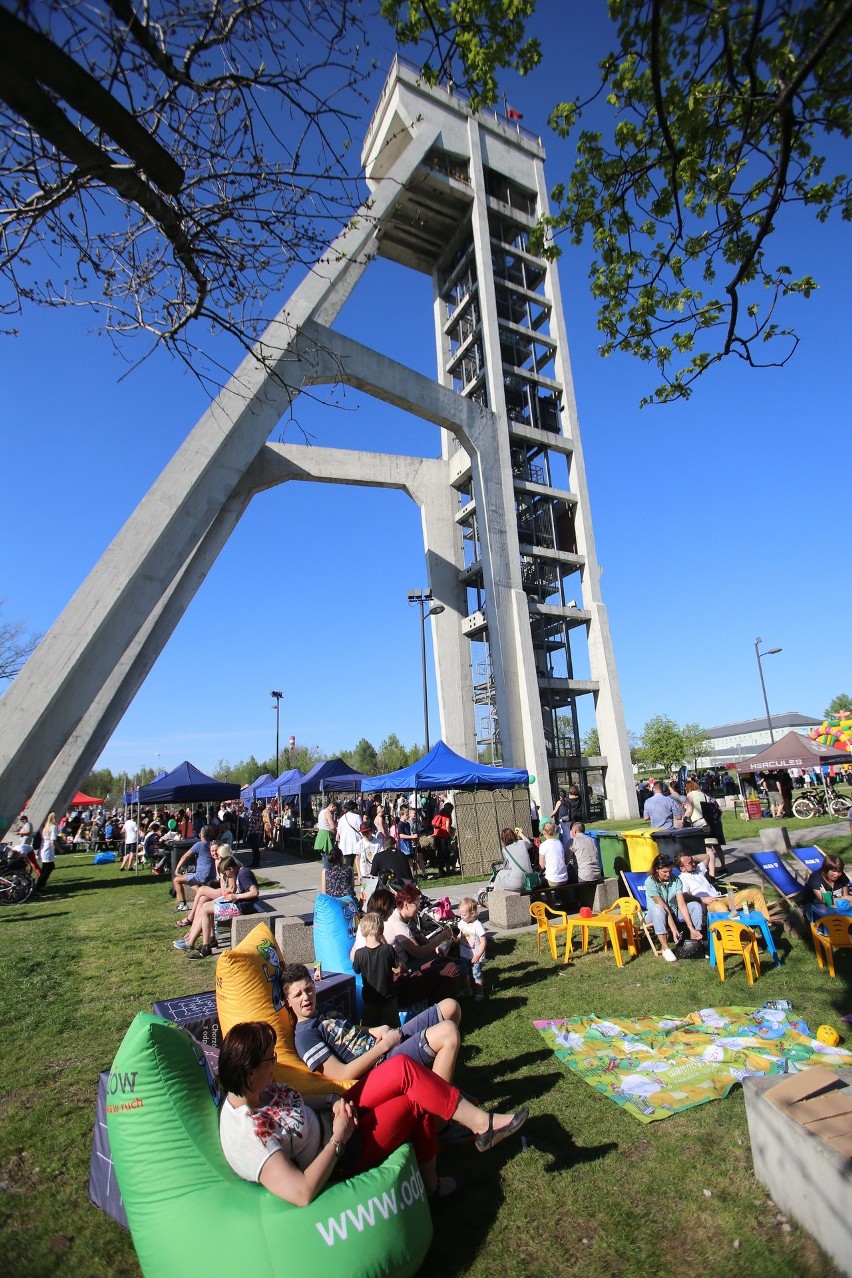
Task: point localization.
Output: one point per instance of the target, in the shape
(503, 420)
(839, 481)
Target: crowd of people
(388, 842)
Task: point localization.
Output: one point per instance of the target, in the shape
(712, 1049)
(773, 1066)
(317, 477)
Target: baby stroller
(482, 898)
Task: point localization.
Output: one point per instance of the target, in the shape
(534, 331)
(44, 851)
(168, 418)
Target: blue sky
(716, 520)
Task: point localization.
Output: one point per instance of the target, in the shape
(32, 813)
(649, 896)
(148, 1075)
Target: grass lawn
(592, 1194)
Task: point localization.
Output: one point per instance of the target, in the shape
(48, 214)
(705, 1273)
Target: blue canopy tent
(249, 792)
(443, 769)
(328, 776)
(285, 786)
(185, 783)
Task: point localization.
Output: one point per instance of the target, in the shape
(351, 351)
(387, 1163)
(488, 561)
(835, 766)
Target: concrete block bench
(806, 1177)
(244, 923)
(295, 938)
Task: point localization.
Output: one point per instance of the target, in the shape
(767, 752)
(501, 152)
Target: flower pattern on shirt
(283, 1111)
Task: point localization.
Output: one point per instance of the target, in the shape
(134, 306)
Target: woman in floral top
(274, 1136)
(337, 879)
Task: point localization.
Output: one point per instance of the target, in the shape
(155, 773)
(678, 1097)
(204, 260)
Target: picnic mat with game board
(656, 1066)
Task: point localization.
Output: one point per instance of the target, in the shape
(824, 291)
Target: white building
(735, 741)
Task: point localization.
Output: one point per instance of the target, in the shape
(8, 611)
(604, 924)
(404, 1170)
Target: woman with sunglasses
(667, 907)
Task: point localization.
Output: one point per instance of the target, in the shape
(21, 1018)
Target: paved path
(299, 878)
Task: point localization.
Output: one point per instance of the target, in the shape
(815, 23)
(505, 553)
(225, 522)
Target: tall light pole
(769, 652)
(277, 698)
(424, 597)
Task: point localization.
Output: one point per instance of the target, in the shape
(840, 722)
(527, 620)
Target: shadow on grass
(549, 1137)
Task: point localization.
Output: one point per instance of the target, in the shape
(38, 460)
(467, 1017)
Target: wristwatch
(338, 1148)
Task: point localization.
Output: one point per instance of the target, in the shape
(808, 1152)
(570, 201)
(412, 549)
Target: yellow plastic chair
(729, 937)
(831, 932)
(551, 927)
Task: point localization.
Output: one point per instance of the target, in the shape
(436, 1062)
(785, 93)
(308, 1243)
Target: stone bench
(295, 938)
(807, 1177)
(244, 923)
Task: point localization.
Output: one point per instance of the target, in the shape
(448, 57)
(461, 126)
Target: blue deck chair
(773, 869)
(811, 858)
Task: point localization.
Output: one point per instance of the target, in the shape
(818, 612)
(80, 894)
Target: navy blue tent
(329, 776)
(443, 769)
(285, 786)
(184, 783)
(249, 792)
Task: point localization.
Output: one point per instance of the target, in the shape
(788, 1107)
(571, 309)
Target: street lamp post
(424, 597)
(277, 698)
(769, 653)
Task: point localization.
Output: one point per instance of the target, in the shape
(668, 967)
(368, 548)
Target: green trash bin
(613, 852)
(641, 850)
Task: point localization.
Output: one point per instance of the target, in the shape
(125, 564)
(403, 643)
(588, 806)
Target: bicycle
(16, 880)
(820, 802)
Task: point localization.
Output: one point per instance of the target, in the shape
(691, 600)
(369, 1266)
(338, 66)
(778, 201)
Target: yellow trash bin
(641, 850)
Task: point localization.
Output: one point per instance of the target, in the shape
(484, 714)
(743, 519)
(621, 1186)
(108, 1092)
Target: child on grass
(375, 962)
(471, 947)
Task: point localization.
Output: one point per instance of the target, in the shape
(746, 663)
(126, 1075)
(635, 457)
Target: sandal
(488, 1139)
(183, 923)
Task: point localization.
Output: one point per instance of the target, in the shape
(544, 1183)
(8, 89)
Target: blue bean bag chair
(335, 927)
(191, 1216)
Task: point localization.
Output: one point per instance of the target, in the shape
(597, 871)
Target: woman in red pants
(273, 1135)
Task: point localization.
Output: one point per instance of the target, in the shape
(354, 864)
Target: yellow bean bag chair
(248, 988)
(191, 1216)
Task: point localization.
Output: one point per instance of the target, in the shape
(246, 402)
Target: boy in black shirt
(375, 962)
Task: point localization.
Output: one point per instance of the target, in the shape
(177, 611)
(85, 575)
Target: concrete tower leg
(65, 676)
(83, 747)
(609, 710)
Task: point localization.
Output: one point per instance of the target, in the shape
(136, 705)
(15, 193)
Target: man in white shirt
(131, 843)
(695, 883)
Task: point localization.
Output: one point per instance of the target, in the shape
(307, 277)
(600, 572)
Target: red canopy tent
(81, 800)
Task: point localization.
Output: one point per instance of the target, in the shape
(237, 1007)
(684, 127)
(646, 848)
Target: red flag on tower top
(512, 114)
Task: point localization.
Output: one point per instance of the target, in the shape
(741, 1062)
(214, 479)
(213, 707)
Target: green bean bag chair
(191, 1216)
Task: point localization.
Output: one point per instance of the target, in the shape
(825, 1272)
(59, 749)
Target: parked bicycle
(817, 801)
(16, 878)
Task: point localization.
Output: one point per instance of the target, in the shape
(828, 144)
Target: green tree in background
(662, 743)
(696, 743)
(591, 744)
(723, 117)
(839, 707)
(392, 754)
(102, 784)
(363, 758)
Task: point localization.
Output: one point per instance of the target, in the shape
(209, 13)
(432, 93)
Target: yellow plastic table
(615, 927)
